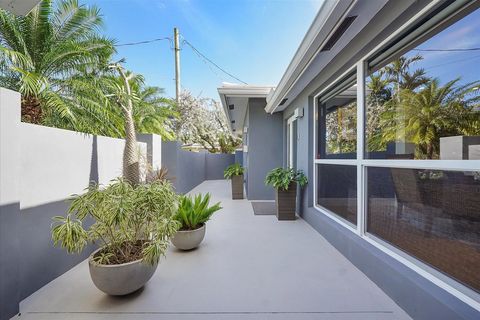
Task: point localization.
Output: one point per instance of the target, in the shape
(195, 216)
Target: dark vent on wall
(338, 33)
(233, 121)
(283, 102)
(231, 106)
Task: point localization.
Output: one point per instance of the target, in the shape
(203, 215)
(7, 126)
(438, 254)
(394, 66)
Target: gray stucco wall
(419, 297)
(188, 169)
(239, 157)
(215, 164)
(264, 148)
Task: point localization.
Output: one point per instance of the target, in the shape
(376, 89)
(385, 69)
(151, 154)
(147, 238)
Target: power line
(184, 41)
(451, 62)
(210, 61)
(448, 50)
(143, 42)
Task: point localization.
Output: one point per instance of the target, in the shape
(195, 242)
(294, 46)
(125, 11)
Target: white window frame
(452, 286)
(290, 141)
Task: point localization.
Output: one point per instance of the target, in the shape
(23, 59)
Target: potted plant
(285, 183)
(234, 172)
(192, 215)
(133, 224)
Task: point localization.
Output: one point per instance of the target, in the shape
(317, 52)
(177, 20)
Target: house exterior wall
(264, 147)
(420, 297)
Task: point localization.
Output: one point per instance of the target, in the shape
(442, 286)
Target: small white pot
(120, 279)
(189, 239)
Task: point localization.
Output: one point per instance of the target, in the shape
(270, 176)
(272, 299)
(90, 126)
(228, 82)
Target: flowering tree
(202, 121)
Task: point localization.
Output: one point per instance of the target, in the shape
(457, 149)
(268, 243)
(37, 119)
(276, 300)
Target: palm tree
(398, 73)
(122, 96)
(152, 112)
(435, 111)
(45, 56)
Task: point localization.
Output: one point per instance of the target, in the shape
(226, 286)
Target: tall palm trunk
(31, 110)
(131, 167)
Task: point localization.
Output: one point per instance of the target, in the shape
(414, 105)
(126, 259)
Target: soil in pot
(127, 252)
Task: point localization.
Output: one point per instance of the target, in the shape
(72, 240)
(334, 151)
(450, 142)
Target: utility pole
(177, 64)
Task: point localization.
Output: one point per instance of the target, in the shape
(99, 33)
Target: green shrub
(233, 170)
(280, 178)
(130, 222)
(194, 212)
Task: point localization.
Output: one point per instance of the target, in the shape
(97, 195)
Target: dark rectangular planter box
(286, 202)
(237, 187)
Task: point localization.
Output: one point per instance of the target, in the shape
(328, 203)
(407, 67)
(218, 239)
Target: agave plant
(194, 212)
(130, 222)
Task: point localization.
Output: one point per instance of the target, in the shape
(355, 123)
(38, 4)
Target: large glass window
(422, 102)
(425, 103)
(337, 135)
(432, 215)
(337, 190)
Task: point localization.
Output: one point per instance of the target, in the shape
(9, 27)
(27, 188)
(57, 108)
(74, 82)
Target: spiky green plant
(281, 178)
(130, 222)
(233, 170)
(194, 212)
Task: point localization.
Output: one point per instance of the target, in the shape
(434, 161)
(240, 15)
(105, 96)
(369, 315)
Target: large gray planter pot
(189, 239)
(286, 201)
(120, 279)
(237, 187)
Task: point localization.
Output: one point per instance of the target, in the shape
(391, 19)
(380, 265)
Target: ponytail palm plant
(130, 222)
(45, 56)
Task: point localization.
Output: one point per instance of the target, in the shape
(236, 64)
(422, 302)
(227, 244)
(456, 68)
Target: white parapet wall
(56, 163)
(40, 168)
(9, 146)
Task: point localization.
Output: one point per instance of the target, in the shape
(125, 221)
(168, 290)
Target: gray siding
(264, 148)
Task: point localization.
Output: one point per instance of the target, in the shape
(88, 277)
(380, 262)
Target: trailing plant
(130, 222)
(280, 178)
(194, 212)
(233, 170)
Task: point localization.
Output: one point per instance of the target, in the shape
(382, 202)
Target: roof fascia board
(244, 92)
(224, 101)
(326, 21)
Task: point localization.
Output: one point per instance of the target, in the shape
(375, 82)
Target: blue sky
(252, 39)
(446, 65)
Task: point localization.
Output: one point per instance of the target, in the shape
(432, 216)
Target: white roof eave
(19, 7)
(316, 35)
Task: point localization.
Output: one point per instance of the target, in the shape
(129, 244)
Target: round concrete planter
(189, 239)
(120, 279)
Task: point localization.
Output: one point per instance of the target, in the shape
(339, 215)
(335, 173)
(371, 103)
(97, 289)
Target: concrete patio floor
(248, 267)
